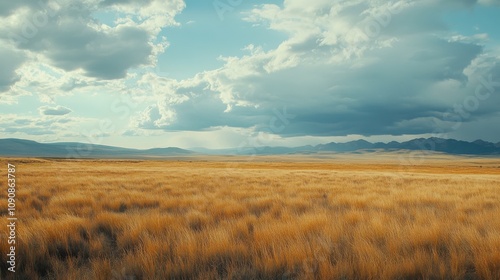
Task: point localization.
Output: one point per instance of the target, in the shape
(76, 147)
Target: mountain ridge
(14, 147)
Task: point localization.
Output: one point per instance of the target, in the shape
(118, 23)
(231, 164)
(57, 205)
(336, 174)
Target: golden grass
(255, 220)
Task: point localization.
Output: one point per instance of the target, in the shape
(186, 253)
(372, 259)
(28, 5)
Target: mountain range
(449, 146)
(27, 148)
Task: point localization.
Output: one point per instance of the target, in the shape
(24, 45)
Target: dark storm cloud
(110, 56)
(11, 60)
(403, 87)
(71, 40)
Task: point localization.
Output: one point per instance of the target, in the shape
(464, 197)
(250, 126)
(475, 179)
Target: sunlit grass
(200, 220)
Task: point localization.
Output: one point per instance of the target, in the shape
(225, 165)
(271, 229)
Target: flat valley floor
(297, 217)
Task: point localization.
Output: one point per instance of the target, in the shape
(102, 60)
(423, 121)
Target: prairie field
(269, 218)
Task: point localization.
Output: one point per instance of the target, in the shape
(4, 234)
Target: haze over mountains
(27, 148)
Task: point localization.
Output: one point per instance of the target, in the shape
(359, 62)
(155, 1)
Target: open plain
(295, 217)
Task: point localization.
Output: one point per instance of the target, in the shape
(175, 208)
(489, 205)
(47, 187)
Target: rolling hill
(28, 148)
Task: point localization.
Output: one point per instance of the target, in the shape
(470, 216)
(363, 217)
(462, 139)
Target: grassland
(322, 219)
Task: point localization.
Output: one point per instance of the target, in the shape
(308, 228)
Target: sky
(234, 73)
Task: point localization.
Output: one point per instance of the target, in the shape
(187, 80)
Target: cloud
(104, 54)
(337, 73)
(112, 56)
(11, 60)
(20, 126)
(54, 111)
(151, 118)
(66, 34)
(8, 7)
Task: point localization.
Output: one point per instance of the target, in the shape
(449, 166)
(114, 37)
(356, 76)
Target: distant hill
(27, 148)
(450, 146)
